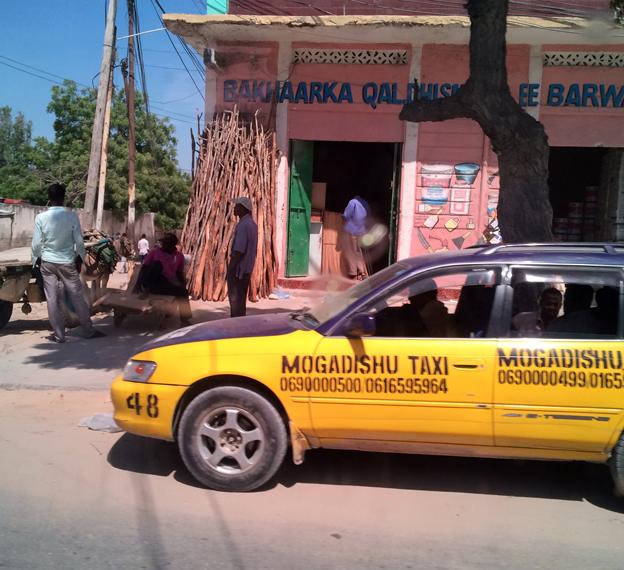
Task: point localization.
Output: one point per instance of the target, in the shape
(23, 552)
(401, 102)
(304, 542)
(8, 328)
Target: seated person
(606, 313)
(425, 316)
(531, 322)
(576, 305)
(472, 314)
(162, 273)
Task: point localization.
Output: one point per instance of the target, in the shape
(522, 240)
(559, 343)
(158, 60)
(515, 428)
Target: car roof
(605, 254)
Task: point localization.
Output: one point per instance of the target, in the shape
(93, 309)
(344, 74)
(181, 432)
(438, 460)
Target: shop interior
(576, 191)
(342, 170)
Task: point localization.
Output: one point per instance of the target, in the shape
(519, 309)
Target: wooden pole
(98, 121)
(104, 157)
(131, 124)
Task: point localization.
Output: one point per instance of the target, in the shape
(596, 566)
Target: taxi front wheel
(232, 439)
(617, 467)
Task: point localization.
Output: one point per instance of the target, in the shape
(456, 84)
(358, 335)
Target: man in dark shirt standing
(242, 257)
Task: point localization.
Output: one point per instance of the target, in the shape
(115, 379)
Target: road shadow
(106, 353)
(570, 481)
(120, 343)
(24, 326)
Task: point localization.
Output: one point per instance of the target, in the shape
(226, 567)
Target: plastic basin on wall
(466, 172)
(435, 195)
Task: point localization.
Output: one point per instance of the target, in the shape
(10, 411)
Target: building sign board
(599, 95)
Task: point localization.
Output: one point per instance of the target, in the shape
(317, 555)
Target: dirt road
(75, 498)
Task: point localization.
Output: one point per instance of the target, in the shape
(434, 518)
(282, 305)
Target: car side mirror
(359, 325)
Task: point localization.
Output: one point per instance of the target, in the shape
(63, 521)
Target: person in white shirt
(58, 248)
(143, 246)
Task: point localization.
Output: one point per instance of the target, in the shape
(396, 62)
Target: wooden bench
(124, 303)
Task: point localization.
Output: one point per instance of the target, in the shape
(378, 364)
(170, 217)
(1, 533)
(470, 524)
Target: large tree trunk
(519, 141)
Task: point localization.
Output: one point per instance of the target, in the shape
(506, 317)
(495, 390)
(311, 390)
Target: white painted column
(281, 126)
(210, 93)
(407, 198)
(536, 67)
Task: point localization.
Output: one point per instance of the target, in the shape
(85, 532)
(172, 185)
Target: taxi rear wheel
(232, 439)
(617, 467)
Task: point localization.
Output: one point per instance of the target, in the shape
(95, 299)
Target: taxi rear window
(566, 303)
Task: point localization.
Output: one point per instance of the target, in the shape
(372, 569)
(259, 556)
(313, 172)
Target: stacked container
(591, 206)
(575, 221)
(580, 225)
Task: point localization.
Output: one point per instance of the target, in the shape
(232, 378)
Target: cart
(125, 302)
(17, 283)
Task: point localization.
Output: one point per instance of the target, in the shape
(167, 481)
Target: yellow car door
(425, 373)
(559, 374)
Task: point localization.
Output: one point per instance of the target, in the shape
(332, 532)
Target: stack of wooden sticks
(235, 159)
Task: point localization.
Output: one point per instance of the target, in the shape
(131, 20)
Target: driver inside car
(425, 316)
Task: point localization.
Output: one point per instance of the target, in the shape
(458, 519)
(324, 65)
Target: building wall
(571, 125)
(17, 223)
(357, 122)
(464, 209)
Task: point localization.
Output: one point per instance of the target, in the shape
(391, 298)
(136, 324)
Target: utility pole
(104, 155)
(98, 121)
(131, 123)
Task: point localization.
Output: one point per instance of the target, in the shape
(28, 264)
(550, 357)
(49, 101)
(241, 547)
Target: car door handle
(467, 365)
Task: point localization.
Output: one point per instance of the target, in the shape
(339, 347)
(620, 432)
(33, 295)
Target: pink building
(333, 86)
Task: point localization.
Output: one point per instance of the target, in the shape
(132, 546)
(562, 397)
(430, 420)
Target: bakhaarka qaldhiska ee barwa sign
(375, 94)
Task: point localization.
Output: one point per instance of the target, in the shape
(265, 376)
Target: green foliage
(26, 166)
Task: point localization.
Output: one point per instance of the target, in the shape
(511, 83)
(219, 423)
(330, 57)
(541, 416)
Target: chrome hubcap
(230, 440)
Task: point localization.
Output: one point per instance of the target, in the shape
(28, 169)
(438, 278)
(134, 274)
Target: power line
(189, 52)
(177, 52)
(175, 100)
(31, 73)
(139, 44)
(39, 70)
(173, 112)
(167, 67)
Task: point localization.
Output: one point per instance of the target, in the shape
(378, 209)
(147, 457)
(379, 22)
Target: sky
(65, 37)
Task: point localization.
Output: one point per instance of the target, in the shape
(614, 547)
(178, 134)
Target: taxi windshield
(335, 303)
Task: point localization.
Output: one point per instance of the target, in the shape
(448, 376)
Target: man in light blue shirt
(58, 246)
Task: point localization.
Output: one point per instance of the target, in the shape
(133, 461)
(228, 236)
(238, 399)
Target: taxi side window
(565, 303)
(449, 305)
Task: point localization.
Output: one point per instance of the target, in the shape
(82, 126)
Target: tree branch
(451, 107)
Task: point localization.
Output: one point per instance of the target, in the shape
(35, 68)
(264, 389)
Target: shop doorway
(577, 192)
(324, 176)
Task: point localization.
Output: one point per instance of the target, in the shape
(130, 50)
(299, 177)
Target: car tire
(6, 310)
(617, 467)
(232, 439)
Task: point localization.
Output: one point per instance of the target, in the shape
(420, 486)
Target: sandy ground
(29, 360)
(75, 498)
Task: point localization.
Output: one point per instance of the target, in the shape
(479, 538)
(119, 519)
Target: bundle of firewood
(235, 159)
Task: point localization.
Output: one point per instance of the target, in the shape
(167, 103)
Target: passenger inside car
(607, 310)
(474, 306)
(576, 306)
(532, 322)
(425, 315)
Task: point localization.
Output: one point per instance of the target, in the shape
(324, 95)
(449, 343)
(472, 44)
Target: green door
(299, 208)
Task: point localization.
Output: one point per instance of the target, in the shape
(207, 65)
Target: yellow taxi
(503, 351)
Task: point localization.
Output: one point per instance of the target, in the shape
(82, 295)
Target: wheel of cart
(17, 283)
(6, 310)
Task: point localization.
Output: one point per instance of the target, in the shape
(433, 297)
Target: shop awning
(208, 31)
